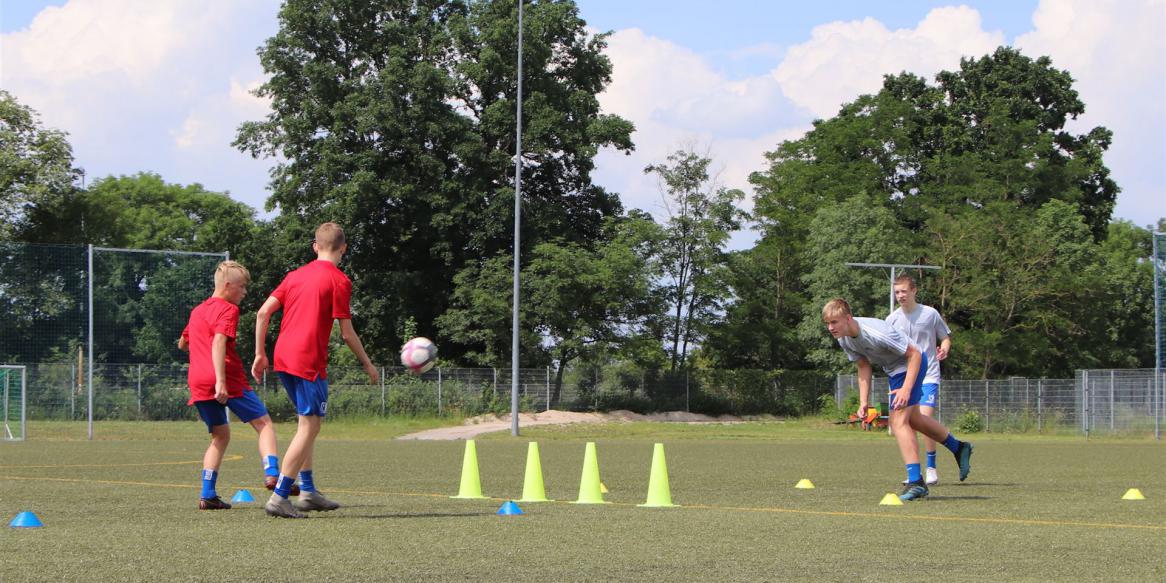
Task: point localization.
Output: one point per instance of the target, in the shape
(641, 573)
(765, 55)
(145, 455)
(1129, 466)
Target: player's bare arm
(352, 339)
(262, 321)
(219, 360)
(865, 374)
(944, 348)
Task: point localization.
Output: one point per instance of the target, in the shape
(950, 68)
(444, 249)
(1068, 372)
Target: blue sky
(161, 86)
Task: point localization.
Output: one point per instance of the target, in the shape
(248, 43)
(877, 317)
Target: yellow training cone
(1133, 494)
(603, 487)
(659, 493)
(471, 486)
(804, 484)
(532, 486)
(891, 500)
(589, 491)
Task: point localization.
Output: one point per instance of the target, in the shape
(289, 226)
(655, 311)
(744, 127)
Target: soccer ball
(418, 355)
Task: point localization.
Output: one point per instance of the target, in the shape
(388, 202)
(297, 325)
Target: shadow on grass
(406, 515)
(934, 497)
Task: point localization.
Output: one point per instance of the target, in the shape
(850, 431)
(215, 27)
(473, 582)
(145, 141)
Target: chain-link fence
(1097, 401)
(57, 392)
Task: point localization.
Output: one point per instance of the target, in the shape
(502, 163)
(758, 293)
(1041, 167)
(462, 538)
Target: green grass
(1035, 508)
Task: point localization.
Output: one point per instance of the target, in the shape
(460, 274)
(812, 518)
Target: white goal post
(14, 382)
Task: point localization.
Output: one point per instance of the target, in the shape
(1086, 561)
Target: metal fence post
(1038, 405)
(139, 389)
(986, 405)
(1084, 402)
(382, 391)
(439, 391)
(1111, 428)
(548, 369)
(495, 371)
(687, 408)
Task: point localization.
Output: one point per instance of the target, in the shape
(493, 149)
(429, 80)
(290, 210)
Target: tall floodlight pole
(1158, 388)
(89, 377)
(893, 266)
(517, 239)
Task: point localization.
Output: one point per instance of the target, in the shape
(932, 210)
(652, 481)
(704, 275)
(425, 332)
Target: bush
(970, 422)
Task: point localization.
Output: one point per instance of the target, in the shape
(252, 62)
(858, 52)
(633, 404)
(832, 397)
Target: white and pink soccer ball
(419, 355)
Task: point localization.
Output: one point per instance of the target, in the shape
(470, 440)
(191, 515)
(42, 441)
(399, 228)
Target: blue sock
(271, 466)
(209, 477)
(951, 443)
(306, 484)
(931, 459)
(283, 486)
(913, 474)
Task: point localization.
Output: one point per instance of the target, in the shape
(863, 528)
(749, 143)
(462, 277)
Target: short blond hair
(835, 307)
(228, 266)
(330, 237)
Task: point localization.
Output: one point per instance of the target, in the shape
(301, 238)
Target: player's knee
(261, 423)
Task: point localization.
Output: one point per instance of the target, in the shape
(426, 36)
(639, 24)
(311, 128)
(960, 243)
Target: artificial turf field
(124, 507)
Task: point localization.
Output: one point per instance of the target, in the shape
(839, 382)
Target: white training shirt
(880, 343)
(926, 328)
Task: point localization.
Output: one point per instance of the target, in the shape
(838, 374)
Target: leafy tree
(576, 303)
(1011, 286)
(758, 330)
(701, 218)
(36, 166)
(859, 230)
(1123, 312)
(141, 301)
(396, 119)
(964, 164)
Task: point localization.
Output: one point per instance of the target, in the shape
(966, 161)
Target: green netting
(141, 301)
(42, 302)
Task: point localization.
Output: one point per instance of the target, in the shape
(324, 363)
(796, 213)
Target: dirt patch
(475, 426)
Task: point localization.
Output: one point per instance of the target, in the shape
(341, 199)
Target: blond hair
(330, 237)
(228, 266)
(835, 307)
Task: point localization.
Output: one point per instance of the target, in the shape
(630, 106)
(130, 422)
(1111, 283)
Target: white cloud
(1116, 52)
(676, 99)
(190, 133)
(147, 86)
(843, 60)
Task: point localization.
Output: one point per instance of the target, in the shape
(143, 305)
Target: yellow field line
(90, 481)
(228, 458)
(970, 519)
(1021, 521)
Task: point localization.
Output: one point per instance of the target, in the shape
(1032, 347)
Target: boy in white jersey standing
(925, 327)
(870, 341)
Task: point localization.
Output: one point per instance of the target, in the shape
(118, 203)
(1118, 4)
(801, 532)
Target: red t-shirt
(213, 316)
(312, 297)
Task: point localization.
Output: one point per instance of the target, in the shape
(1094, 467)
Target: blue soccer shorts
(247, 408)
(930, 394)
(308, 397)
(896, 381)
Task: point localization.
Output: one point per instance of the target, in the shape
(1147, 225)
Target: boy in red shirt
(312, 297)
(217, 381)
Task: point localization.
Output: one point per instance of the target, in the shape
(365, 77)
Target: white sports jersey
(926, 328)
(880, 343)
